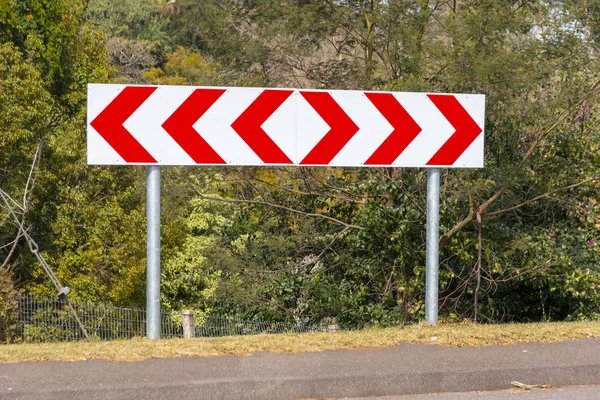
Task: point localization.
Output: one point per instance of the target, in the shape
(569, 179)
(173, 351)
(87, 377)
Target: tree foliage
(518, 237)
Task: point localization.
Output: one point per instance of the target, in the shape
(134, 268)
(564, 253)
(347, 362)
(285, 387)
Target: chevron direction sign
(184, 125)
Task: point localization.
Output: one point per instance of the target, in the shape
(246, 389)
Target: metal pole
(432, 256)
(153, 252)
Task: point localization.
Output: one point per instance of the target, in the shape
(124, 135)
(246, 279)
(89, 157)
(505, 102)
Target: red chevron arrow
(109, 124)
(248, 126)
(466, 132)
(179, 126)
(342, 128)
(405, 129)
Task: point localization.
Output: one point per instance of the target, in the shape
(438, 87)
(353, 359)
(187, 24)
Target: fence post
(188, 324)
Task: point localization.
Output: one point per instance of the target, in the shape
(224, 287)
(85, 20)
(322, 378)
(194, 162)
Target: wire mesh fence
(219, 326)
(40, 319)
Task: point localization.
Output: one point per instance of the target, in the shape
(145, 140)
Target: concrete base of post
(188, 324)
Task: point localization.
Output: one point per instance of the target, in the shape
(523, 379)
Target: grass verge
(446, 334)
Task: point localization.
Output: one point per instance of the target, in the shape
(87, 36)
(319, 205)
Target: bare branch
(526, 271)
(292, 210)
(31, 177)
(15, 204)
(21, 224)
(542, 196)
(335, 238)
(248, 178)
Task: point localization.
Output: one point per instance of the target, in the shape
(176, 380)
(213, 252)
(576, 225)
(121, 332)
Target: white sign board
(184, 125)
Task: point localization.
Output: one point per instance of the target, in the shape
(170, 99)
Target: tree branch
(30, 180)
(547, 194)
(31, 177)
(335, 238)
(292, 210)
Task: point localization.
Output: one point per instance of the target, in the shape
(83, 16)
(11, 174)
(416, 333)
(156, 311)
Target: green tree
(139, 20)
(45, 31)
(519, 237)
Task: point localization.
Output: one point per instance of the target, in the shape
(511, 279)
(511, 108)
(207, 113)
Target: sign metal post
(153, 252)
(432, 246)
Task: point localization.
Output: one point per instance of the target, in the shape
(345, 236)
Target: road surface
(400, 370)
(566, 393)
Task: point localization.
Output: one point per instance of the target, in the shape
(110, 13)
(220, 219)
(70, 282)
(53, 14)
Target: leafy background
(308, 244)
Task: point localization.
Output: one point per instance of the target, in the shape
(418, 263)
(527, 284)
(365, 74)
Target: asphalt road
(400, 370)
(567, 393)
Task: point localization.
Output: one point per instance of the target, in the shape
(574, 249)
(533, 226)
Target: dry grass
(448, 334)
